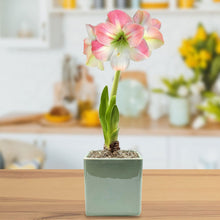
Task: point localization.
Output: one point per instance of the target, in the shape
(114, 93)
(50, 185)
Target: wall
(27, 77)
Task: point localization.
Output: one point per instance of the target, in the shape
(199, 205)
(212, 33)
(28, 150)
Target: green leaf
(158, 91)
(114, 118)
(109, 109)
(114, 135)
(102, 110)
(211, 44)
(181, 80)
(209, 95)
(167, 83)
(215, 71)
(104, 103)
(197, 75)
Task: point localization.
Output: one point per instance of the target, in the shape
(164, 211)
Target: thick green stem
(115, 84)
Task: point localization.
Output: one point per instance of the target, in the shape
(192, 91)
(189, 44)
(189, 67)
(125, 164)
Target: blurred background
(169, 103)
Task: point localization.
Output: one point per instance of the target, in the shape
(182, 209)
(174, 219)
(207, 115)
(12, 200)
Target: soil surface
(115, 154)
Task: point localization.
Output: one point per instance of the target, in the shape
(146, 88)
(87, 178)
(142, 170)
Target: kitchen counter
(128, 126)
(59, 194)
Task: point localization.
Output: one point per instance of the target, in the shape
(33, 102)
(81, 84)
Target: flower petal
(134, 34)
(100, 51)
(141, 52)
(153, 38)
(120, 61)
(87, 43)
(119, 18)
(155, 23)
(141, 17)
(91, 59)
(93, 62)
(105, 33)
(91, 31)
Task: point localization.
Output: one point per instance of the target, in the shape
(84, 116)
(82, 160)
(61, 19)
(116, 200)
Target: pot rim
(139, 158)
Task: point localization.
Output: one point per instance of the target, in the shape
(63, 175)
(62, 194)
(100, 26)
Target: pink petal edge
(141, 17)
(91, 31)
(155, 23)
(134, 33)
(105, 33)
(119, 18)
(154, 38)
(86, 46)
(141, 52)
(100, 51)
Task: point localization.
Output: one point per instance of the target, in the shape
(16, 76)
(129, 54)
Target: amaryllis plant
(118, 40)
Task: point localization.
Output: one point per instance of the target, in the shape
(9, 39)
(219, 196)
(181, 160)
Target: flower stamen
(120, 40)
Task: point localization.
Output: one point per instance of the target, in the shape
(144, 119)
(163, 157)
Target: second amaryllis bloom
(122, 38)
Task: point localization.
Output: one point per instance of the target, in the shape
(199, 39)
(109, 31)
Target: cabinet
(67, 151)
(24, 24)
(153, 150)
(29, 138)
(195, 153)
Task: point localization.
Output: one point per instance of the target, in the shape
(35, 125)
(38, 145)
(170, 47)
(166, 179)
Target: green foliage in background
(172, 86)
(211, 106)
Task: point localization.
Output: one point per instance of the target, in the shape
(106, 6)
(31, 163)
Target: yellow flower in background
(204, 55)
(193, 41)
(214, 35)
(187, 48)
(184, 48)
(198, 52)
(204, 58)
(203, 64)
(201, 34)
(218, 46)
(192, 61)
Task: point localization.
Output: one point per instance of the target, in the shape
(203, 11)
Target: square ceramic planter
(113, 187)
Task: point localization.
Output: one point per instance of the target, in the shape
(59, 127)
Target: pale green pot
(113, 187)
(179, 111)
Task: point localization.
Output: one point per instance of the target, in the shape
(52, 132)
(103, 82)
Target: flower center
(120, 40)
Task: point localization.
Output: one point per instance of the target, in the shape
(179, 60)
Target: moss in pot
(113, 177)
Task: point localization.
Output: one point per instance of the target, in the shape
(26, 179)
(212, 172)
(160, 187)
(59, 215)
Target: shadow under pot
(113, 186)
(179, 111)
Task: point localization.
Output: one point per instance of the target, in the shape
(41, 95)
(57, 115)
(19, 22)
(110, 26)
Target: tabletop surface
(128, 126)
(59, 194)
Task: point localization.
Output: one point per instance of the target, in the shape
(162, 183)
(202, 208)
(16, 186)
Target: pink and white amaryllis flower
(121, 39)
(152, 35)
(91, 59)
